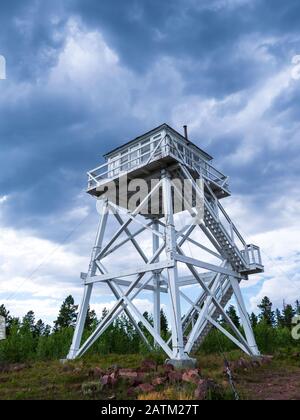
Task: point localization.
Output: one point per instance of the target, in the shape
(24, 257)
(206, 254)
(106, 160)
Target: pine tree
(148, 317)
(253, 320)
(67, 315)
(288, 315)
(297, 307)
(267, 315)
(39, 328)
(279, 319)
(104, 313)
(28, 322)
(231, 312)
(163, 323)
(91, 319)
(47, 330)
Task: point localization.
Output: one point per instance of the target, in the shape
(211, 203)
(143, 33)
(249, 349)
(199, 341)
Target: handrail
(225, 232)
(234, 228)
(167, 145)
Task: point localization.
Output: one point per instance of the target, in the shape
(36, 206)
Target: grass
(55, 381)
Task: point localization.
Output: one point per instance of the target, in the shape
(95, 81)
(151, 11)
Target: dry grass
(54, 381)
(170, 393)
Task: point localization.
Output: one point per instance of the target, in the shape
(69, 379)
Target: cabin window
(124, 161)
(134, 156)
(145, 150)
(188, 157)
(181, 150)
(114, 166)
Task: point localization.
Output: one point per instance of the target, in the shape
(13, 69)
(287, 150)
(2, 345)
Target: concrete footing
(182, 363)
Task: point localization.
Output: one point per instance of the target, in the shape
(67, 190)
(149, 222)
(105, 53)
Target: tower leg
(180, 358)
(80, 322)
(89, 287)
(156, 282)
(244, 317)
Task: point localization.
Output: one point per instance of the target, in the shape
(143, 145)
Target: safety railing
(252, 255)
(150, 150)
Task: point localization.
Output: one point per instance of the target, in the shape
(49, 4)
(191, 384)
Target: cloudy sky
(85, 76)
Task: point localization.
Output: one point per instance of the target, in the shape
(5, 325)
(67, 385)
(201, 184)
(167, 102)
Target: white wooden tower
(198, 287)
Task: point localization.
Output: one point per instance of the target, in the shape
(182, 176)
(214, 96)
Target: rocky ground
(133, 377)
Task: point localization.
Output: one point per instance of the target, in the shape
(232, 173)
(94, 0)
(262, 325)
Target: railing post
(231, 232)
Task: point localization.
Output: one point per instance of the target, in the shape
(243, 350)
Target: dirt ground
(271, 383)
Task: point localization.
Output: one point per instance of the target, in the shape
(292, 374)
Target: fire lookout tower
(179, 181)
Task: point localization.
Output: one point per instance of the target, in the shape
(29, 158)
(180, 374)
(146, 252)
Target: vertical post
(231, 232)
(89, 287)
(156, 282)
(244, 316)
(171, 244)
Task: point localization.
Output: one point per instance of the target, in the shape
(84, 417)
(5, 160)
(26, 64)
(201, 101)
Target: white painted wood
(2, 328)
(156, 285)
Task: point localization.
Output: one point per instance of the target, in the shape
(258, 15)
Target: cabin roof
(153, 131)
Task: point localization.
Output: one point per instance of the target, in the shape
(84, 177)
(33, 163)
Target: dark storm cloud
(29, 36)
(201, 36)
(49, 139)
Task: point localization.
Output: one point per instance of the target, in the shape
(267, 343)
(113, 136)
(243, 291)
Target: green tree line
(28, 339)
(31, 339)
(272, 329)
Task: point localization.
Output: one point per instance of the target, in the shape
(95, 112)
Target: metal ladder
(228, 247)
(213, 313)
(234, 257)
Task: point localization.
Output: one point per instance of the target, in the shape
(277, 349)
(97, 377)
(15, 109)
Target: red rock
(191, 376)
(202, 390)
(146, 387)
(204, 387)
(105, 380)
(149, 365)
(113, 381)
(158, 381)
(175, 376)
(114, 375)
(168, 368)
(128, 373)
(135, 383)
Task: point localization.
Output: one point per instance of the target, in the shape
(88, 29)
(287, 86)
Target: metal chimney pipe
(186, 132)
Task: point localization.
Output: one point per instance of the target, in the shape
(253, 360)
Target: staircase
(224, 295)
(239, 260)
(228, 247)
(233, 256)
(213, 313)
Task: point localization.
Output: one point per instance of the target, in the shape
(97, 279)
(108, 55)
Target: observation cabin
(147, 155)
